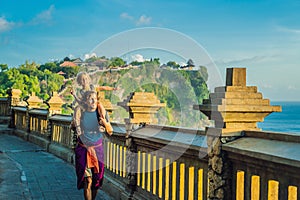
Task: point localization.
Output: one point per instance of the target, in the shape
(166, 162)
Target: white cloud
(143, 20)
(292, 87)
(138, 57)
(288, 30)
(242, 61)
(126, 16)
(5, 25)
(87, 56)
(267, 86)
(182, 63)
(43, 17)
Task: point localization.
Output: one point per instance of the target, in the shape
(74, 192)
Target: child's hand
(79, 132)
(72, 92)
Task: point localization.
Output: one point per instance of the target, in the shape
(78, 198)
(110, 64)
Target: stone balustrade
(142, 107)
(14, 95)
(236, 107)
(233, 160)
(105, 102)
(34, 101)
(5, 110)
(55, 104)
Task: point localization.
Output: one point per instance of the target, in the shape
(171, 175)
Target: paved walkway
(28, 172)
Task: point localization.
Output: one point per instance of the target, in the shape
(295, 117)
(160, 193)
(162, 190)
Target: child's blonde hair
(80, 75)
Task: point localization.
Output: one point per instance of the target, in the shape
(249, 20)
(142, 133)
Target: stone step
(236, 95)
(251, 89)
(236, 125)
(221, 101)
(248, 108)
(4, 120)
(240, 117)
(238, 108)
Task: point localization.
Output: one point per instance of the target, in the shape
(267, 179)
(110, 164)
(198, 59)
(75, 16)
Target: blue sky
(261, 35)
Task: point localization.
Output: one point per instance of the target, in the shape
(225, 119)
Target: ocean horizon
(287, 121)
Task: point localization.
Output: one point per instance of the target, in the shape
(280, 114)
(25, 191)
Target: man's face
(92, 102)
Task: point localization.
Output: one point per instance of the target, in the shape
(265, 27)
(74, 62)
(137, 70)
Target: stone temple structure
(236, 107)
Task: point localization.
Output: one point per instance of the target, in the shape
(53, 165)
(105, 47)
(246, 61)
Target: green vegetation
(31, 77)
(179, 89)
(116, 62)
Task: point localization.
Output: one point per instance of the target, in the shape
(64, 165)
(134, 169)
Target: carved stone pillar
(15, 96)
(234, 108)
(105, 102)
(13, 100)
(34, 101)
(55, 104)
(131, 158)
(142, 107)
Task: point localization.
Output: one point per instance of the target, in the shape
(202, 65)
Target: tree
(190, 62)
(67, 59)
(3, 67)
(204, 73)
(32, 84)
(116, 62)
(50, 66)
(173, 65)
(70, 71)
(156, 61)
(91, 59)
(52, 83)
(136, 63)
(30, 69)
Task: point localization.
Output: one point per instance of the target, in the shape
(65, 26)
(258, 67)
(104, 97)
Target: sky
(261, 35)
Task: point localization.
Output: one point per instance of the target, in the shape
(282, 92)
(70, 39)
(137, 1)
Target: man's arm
(100, 88)
(76, 119)
(106, 122)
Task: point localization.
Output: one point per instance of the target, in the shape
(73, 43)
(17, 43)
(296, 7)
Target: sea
(287, 121)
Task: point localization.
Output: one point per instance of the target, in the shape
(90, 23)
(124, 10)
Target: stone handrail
(267, 169)
(60, 130)
(19, 119)
(38, 121)
(159, 167)
(233, 160)
(4, 106)
(253, 174)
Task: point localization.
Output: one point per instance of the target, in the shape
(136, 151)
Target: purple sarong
(81, 163)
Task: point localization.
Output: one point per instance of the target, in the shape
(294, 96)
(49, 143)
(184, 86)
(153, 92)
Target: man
(91, 125)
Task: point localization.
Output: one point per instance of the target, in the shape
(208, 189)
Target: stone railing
(233, 160)
(19, 119)
(60, 130)
(53, 133)
(264, 165)
(4, 107)
(38, 122)
(62, 138)
(167, 165)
